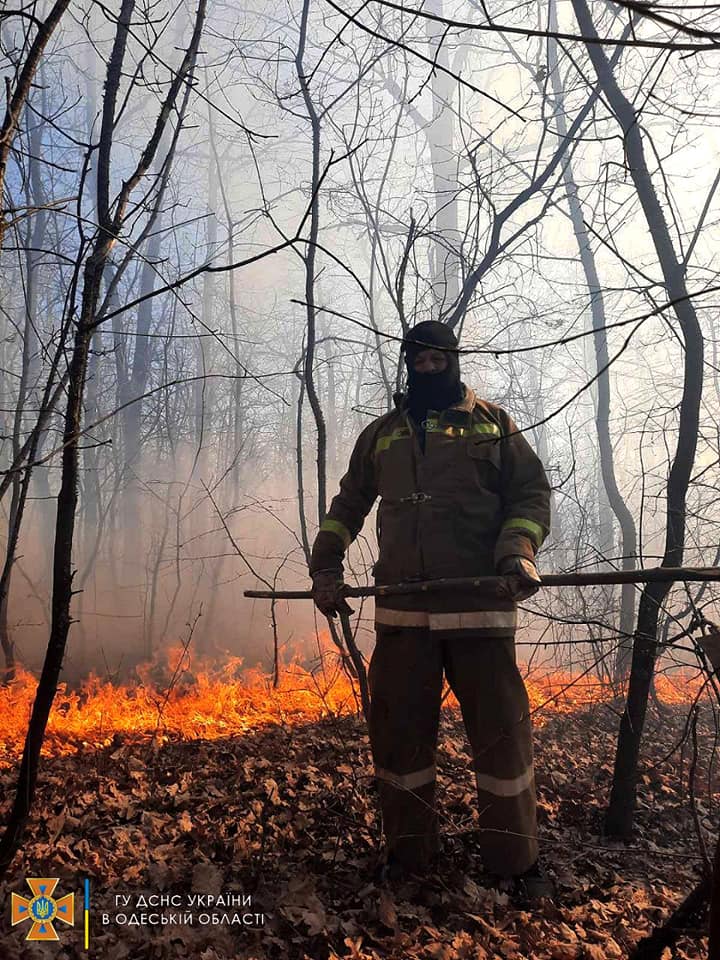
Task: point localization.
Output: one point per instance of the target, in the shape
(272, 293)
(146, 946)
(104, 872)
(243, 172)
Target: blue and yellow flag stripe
(87, 913)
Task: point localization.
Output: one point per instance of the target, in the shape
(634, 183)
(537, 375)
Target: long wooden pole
(490, 584)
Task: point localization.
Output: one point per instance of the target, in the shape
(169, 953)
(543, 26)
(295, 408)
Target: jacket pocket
(485, 462)
(485, 450)
(398, 555)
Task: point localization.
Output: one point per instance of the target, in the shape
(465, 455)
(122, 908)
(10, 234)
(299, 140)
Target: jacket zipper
(416, 454)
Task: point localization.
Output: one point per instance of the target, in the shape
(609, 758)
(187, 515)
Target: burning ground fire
(177, 697)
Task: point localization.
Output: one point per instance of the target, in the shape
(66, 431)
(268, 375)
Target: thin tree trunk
(299, 459)
(109, 226)
(617, 503)
(445, 262)
(62, 580)
(18, 98)
(135, 385)
(27, 389)
(619, 817)
(310, 257)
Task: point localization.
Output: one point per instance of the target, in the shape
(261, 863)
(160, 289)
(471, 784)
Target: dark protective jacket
(477, 494)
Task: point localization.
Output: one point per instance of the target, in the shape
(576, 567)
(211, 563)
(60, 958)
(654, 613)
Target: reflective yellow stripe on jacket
(432, 425)
(339, 529)
(530, 527)
(401, 433)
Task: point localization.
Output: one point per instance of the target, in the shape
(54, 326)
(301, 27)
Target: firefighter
(461, 494)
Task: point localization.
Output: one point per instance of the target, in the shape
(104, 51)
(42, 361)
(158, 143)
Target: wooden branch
(649, 575)
(357, 660)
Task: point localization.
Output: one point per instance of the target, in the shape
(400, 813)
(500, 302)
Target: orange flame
(177, 697)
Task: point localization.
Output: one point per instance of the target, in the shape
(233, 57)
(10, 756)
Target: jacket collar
(467, 403)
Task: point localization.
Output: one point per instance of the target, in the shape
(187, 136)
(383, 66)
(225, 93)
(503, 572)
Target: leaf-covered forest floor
(287, 815)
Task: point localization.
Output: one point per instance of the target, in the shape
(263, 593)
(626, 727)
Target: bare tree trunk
(109, 225)
(91, 485)
(373, 323)
(617, 503)
(62, 579)
(299, 459)
(17, 503)
(332, 408)
(619, 817)
(27, 387)
(310, 257)
(308, 381)
(445, 262)
(18, 97)
(133, 375)
(67, 498)
(135, 385)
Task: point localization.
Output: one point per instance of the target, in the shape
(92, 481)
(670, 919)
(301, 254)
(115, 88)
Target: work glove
(328, 591)
(521, 575)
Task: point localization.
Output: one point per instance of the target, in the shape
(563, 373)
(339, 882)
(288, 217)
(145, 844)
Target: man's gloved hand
(328, 593)
(522, 579)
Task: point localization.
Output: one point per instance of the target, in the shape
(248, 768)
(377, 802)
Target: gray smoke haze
(430, 179)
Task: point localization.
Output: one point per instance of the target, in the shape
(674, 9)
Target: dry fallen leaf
(594, 951)
(565, 951)
(386, 910)
(289, 815)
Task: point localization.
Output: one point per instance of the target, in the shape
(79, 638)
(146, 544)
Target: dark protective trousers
(405, 677)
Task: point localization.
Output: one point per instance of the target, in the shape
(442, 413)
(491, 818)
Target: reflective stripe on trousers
(462, 620)
(407, 781)
(504, 788)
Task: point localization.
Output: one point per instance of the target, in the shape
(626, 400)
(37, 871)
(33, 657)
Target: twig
(691, 791)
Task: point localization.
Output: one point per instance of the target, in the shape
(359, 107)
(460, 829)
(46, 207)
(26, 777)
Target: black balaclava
(432, 391)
